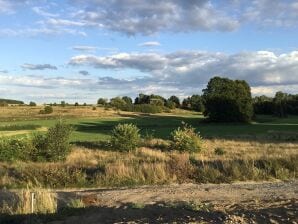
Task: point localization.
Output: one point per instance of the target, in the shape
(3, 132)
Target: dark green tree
(175, 100)
(127, 99)
(280, 104)
(227, 100)
(102, 101)
(196, 103)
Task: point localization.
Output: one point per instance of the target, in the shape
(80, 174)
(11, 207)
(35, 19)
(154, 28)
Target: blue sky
(81, 50)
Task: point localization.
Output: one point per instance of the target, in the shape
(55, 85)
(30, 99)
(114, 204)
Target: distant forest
(222, 100)
(4, 102)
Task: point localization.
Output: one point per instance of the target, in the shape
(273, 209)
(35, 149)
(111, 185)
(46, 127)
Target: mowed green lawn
(160, 126)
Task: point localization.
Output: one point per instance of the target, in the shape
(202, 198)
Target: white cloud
(38, 66)
(191, 68)
(84, 48)
(42, 12)
(150, 44)
(32, 32)
(148, 17)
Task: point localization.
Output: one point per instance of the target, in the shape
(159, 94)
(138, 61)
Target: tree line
(223, 100)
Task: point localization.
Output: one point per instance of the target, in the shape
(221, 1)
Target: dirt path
(190, 203)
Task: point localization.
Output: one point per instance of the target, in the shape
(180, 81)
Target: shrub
(12, 149)
(32, 104)
(219, 151)
(54, 146)
(186, 139)
(125, 137)
(46, 110)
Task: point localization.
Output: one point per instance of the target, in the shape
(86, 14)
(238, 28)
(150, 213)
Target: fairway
(160, 126)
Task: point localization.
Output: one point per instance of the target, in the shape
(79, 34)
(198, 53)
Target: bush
(125, 137)
(147, 108)
(186, 139)
(32, 104)
(47, 110)
(54, 146)
(219, 151)
(12, 149)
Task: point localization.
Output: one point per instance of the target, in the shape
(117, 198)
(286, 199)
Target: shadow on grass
(160, 213)
(161, 127)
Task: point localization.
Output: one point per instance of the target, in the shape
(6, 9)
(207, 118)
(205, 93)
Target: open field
(95, 125)
(265, 150)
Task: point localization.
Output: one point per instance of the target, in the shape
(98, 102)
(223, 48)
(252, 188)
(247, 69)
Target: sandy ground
(223, 203)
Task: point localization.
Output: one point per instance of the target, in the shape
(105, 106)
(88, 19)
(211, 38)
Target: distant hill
(9, 101)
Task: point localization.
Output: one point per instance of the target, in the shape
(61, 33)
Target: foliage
(54, 145)
(226, 100)
(281, 105)
(117, 102)
(170, 104)
(219, 151)
(12, 149)
(125, 137)
(185, 138)
(76, 104)
(175, 100)
(127, 100)
(263, 105)
(9, 101)
(102, 101)
(150, 99)
(32, 104)
(195, 102)
(46, 110)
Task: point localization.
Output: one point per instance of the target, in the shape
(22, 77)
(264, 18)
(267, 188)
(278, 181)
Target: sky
(81, 50)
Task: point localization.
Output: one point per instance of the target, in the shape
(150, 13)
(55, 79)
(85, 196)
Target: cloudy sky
(80, 50)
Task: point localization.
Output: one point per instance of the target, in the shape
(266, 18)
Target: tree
(228, 100)
(76, 104)
(263, 105)
(32, 104)
(102, 101)
(175, 100)
(196, 103)
(280, 104)
(127, 99)
(117, 102)
(186, 103)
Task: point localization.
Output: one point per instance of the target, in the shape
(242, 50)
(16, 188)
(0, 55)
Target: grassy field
(96, 125)
(264, 150)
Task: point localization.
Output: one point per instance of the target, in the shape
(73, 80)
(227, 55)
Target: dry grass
(242, 149)
(23, 112)
(20, 202)
(243, 160)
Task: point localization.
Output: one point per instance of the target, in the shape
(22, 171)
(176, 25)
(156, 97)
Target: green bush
(185, 138)
(125, 137)
(47, 110)
(12, 149)
(54, 146)
(219, 151)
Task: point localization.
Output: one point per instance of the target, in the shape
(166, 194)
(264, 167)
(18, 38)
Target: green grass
(94, 129)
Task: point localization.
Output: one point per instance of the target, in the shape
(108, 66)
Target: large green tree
(228, 100)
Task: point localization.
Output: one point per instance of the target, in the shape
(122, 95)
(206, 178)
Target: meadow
(264, 150)
(95, 125)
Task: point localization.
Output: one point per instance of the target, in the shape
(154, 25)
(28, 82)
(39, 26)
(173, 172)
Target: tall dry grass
(242, 160)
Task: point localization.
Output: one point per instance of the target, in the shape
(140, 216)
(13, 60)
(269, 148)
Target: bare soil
(269, 202)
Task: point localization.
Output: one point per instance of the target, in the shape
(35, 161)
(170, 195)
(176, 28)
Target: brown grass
(27, 112)
(243, 160)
